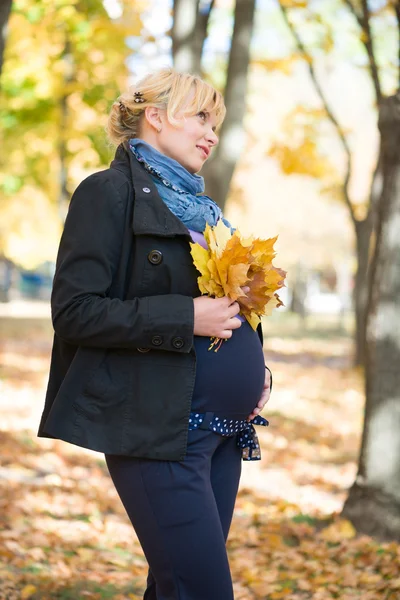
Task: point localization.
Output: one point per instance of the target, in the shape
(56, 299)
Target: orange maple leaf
(232, 262)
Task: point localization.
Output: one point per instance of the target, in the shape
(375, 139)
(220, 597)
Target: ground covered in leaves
(64, 534)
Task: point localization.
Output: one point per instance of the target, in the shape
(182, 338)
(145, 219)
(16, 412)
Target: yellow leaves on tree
(302, 159)
(294, 3)
(298, 149)
(232, 262)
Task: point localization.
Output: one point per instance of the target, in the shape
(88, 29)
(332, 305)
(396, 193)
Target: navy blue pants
(181, 512)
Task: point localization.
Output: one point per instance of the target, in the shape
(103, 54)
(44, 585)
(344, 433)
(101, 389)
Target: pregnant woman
(131, 373)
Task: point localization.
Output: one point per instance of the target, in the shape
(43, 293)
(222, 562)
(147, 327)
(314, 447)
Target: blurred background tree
(374, 499)
(189, 33)
(373, 503)
(316, 30)
(64, 65)
(5, 9)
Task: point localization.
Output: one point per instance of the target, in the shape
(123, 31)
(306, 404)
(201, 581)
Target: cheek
(194, 133)
(181, 142)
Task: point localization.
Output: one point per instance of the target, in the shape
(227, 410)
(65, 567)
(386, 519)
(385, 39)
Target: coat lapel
(151, 216)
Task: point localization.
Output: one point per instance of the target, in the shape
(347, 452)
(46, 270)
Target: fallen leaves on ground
(64, 533)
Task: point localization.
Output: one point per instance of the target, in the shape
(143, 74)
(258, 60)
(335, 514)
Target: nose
(212, 138)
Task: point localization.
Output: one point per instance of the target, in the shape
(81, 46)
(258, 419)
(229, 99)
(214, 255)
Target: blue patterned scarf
(181, 191)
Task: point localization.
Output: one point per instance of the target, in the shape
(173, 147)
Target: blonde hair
(166, 89)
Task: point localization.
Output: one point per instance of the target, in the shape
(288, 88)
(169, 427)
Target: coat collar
(151, 216)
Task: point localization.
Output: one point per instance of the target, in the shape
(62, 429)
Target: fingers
(263, 401)
(265, 396)
(226, 334)
(231, 320)
(234, 323)
(267, 378)
(253, 414)
(233, 309)
(226, 300)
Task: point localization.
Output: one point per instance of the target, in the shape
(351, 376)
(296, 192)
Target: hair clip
(139, 97)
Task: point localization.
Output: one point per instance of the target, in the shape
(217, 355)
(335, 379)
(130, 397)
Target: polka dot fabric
(247, 438)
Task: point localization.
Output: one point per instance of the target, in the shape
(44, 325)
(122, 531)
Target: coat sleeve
(87, 260)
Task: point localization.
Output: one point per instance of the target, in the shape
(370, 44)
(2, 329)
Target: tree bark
(360, 297)
(69, 75)
(364, 235)
(5, 9)
(189, 31)
(219, 171)
(373, 504)
(183, 32)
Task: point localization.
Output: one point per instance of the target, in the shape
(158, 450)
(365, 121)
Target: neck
(151, 138)
(168, 167)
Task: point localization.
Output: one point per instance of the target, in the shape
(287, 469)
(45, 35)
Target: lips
(205, 150)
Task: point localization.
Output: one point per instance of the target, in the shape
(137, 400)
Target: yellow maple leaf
(217, 237)
(275, 302)
(253, 319)
(263, 250)
(201, 256)
(236, 279)
(237, 250)
(232, 262)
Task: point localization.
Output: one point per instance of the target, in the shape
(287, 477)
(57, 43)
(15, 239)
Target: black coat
(123, 363)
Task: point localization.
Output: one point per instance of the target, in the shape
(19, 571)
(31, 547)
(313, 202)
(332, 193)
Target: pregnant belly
(229, 382)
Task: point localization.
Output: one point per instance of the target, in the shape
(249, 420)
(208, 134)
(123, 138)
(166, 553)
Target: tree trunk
(183, 33)
(219, 171)
(200, 34)
(363, 236)
(189, 31)
(69, 75)
(363, 232)
(5, 9)
(373, 504)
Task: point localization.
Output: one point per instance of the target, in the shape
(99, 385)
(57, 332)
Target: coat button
(156, 340)
(147, 190)
(143, 349)
(155, 257)
(178, 342)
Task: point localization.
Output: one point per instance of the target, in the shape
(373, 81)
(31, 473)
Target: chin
(192, 168)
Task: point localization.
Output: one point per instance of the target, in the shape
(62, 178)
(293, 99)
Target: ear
(153, 117)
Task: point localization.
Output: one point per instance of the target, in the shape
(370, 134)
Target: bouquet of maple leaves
(232, 262)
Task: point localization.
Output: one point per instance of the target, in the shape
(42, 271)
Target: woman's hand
(264, 396)
(215, 317)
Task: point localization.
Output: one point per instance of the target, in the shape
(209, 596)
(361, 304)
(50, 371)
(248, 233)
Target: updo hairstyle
(166, 89)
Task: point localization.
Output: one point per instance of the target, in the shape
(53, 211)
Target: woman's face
(190, 144)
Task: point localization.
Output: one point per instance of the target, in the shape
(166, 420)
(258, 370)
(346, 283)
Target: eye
(202, 115)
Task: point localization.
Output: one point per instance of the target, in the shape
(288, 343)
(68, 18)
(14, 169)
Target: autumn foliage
(232, 262)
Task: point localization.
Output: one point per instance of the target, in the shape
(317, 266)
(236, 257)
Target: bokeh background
(301, 156)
